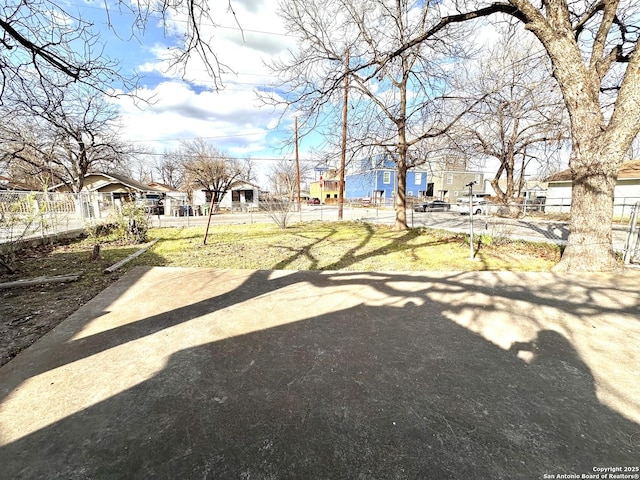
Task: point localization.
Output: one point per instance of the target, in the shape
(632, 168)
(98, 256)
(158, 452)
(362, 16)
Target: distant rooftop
(628, 170)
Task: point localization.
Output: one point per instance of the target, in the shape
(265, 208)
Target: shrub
(133, 223)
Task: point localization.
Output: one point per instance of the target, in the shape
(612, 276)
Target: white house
(241, 196)
(626, 193)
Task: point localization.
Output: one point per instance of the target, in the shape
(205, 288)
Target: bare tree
(521, 119)
(594, 54)
(50, 41)
(282, 177)
(138, 166)
(248, 170)
(393, 110)
(63, 133)
(169, 169)
(33, 171)
(206, 168)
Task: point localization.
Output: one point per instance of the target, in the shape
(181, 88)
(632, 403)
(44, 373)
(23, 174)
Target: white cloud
(231, 118)
(228, 119)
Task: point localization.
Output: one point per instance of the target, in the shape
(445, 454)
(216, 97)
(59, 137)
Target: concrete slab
(190, 373)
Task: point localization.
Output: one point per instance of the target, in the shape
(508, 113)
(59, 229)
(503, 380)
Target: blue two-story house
(377, 178)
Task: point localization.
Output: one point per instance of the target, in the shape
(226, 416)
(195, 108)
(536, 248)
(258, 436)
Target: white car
(479, 207)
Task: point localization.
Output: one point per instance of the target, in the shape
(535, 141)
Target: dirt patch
(28, 313)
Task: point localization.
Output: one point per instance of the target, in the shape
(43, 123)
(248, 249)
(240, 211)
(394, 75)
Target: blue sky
(231, 118)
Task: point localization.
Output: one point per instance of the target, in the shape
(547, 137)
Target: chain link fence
(622, 206)
(38, 215)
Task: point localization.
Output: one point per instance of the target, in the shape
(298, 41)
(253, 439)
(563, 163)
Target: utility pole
(471, 252)
(297, 163)
(344, 137)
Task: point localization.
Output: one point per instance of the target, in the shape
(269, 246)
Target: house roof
(114, 179)
(8, 184)
(243, 183)
(163, 186)
(129, 182)
(628, 170)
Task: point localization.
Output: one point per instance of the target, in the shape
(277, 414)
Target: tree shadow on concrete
(397, 390)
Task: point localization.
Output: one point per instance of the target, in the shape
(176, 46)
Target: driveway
(194, 373)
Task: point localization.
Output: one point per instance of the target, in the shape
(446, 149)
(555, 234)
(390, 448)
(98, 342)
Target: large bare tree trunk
(589, 245)
(598, 145)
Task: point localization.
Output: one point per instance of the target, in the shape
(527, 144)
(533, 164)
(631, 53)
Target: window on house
(411, 193)
(418, 178)
(455, 194)
(386, 177)
(449, 178)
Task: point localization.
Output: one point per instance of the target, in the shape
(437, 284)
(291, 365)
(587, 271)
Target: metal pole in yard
(297, 166)
(471, 252)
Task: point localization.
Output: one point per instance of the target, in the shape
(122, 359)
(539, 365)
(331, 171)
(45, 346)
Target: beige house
(626, 193)
(101, 192)
(448, 185)
(110, 183)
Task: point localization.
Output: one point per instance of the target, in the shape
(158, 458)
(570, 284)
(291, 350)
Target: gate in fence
(632, 245)
(29, 214)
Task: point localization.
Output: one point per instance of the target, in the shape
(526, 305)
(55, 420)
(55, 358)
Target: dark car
(313, 201)
(434, 206)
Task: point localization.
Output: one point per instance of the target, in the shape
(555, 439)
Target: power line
(157, 16)
(227, 157)
(214, 137)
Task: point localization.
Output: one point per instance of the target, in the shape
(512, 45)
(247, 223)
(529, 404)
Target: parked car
(434, 206)
(479, 207)
(313, 201)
